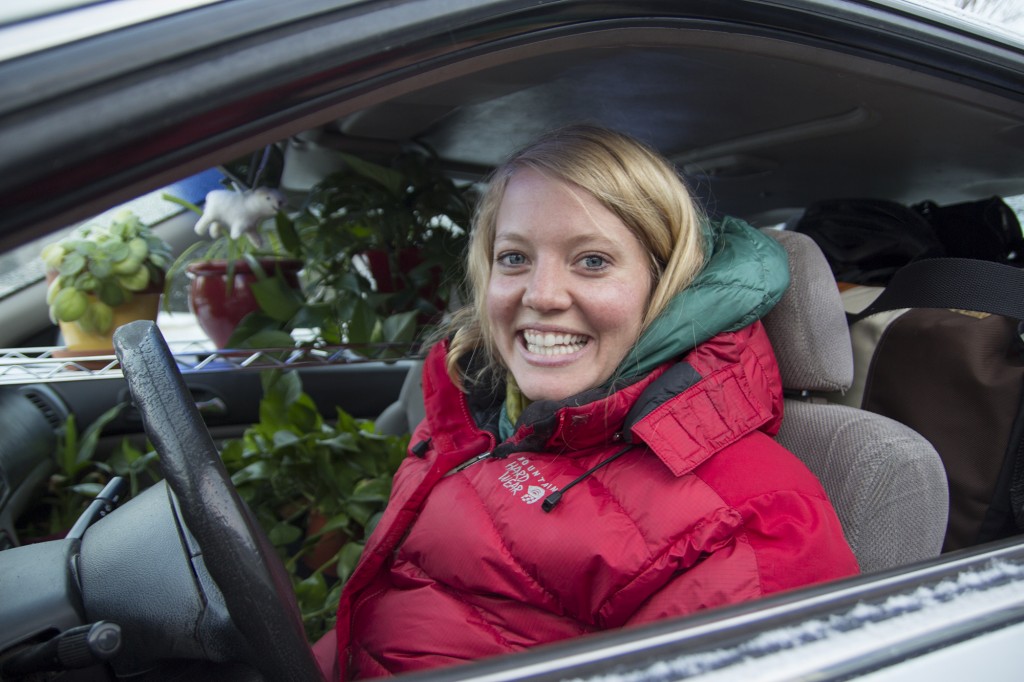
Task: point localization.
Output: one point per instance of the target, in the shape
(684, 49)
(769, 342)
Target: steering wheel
(236, 551)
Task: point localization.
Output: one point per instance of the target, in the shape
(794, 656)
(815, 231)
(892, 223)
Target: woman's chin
(551, 384)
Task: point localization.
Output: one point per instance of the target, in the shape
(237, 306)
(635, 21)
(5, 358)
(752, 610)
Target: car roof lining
(476, 111)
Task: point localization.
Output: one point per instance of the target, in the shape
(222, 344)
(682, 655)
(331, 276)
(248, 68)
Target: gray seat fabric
(886, 481)
(403, 415)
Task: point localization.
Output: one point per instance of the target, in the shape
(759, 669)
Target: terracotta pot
(219, 308)
(326, 546)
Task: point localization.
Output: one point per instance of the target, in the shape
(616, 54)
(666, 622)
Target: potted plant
(379, 246)
(317, 487)
(103, 276)
(384, 247)
(246, 269)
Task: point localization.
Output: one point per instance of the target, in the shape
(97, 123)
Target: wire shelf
(48, 364)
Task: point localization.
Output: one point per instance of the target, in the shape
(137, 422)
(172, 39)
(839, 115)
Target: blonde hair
(631, 180)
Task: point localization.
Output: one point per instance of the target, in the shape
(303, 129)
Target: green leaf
(311, 592)
(249, 326)
(284, 534)
(115, 250)
(72, 264)
(276, 298)
(84, 246)
(343, 441)
(372, 523)
(268, 338)
(67, 448)
(400, 328)
(91, 435)
(281, 388)
(87, 489)
(358, 510)
(289, 236)
(336, 522)
(388, 178)
(100, 266)
(361, 324)
(348, 557)
(111, 293)
(257, 471)
(285, 438)
(85, 281)
(182, 202)
(313, 316)
(372, 490)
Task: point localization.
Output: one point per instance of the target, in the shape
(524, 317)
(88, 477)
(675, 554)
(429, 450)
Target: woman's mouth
(553, 343)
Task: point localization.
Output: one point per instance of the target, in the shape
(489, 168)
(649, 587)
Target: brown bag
(956, 377)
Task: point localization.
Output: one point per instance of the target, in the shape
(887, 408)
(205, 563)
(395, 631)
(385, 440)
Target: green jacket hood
(745, 276)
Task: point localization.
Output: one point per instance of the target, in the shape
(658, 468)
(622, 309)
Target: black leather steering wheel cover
(236, 552)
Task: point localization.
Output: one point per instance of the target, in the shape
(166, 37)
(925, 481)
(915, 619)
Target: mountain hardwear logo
(518, 473)
(533, 494)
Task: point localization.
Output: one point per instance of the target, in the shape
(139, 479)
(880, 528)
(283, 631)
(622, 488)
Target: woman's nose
(547, 288)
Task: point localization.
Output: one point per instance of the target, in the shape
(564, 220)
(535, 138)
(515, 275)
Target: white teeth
(550, 343)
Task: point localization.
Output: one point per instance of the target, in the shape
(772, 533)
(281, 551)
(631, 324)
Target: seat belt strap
(959, 283)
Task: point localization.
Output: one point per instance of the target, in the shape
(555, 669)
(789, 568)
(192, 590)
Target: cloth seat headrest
(808, 327)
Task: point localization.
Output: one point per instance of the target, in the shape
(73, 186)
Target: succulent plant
(99, 267)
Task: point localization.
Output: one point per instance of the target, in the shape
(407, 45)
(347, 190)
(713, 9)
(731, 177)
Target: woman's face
(569, 287)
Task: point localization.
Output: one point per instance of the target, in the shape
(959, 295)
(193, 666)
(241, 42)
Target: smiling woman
(614, 351)
(568, 289)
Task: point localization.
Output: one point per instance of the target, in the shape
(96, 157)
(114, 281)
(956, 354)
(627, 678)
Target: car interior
(763, 116)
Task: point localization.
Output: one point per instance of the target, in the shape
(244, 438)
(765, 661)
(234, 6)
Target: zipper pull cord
(469, 462)
(551, 500)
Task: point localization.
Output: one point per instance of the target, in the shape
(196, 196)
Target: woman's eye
(594, 262)
(511, 259)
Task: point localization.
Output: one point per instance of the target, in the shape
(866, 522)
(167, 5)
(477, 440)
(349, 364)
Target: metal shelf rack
(45, 364)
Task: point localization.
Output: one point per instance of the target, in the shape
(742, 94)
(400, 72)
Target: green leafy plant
(409, 216)
(99, 267)
(317, 487)
(79, 476)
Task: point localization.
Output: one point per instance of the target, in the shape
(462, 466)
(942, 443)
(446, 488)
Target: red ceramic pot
(218, 311)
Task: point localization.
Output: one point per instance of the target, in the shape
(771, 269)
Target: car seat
(403, 415)
(886, 481)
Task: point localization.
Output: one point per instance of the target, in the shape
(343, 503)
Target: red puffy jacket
(699, 508)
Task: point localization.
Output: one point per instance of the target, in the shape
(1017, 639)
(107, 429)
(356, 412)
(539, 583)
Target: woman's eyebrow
(591, 239)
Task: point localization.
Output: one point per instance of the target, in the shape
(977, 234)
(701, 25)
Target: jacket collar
(684, 411)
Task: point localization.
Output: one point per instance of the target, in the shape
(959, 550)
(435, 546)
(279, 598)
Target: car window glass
(22, 267)
(1017, 204)
(45, 23)
(1002, 17)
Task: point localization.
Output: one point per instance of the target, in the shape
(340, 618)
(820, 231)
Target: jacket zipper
(469, 462)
